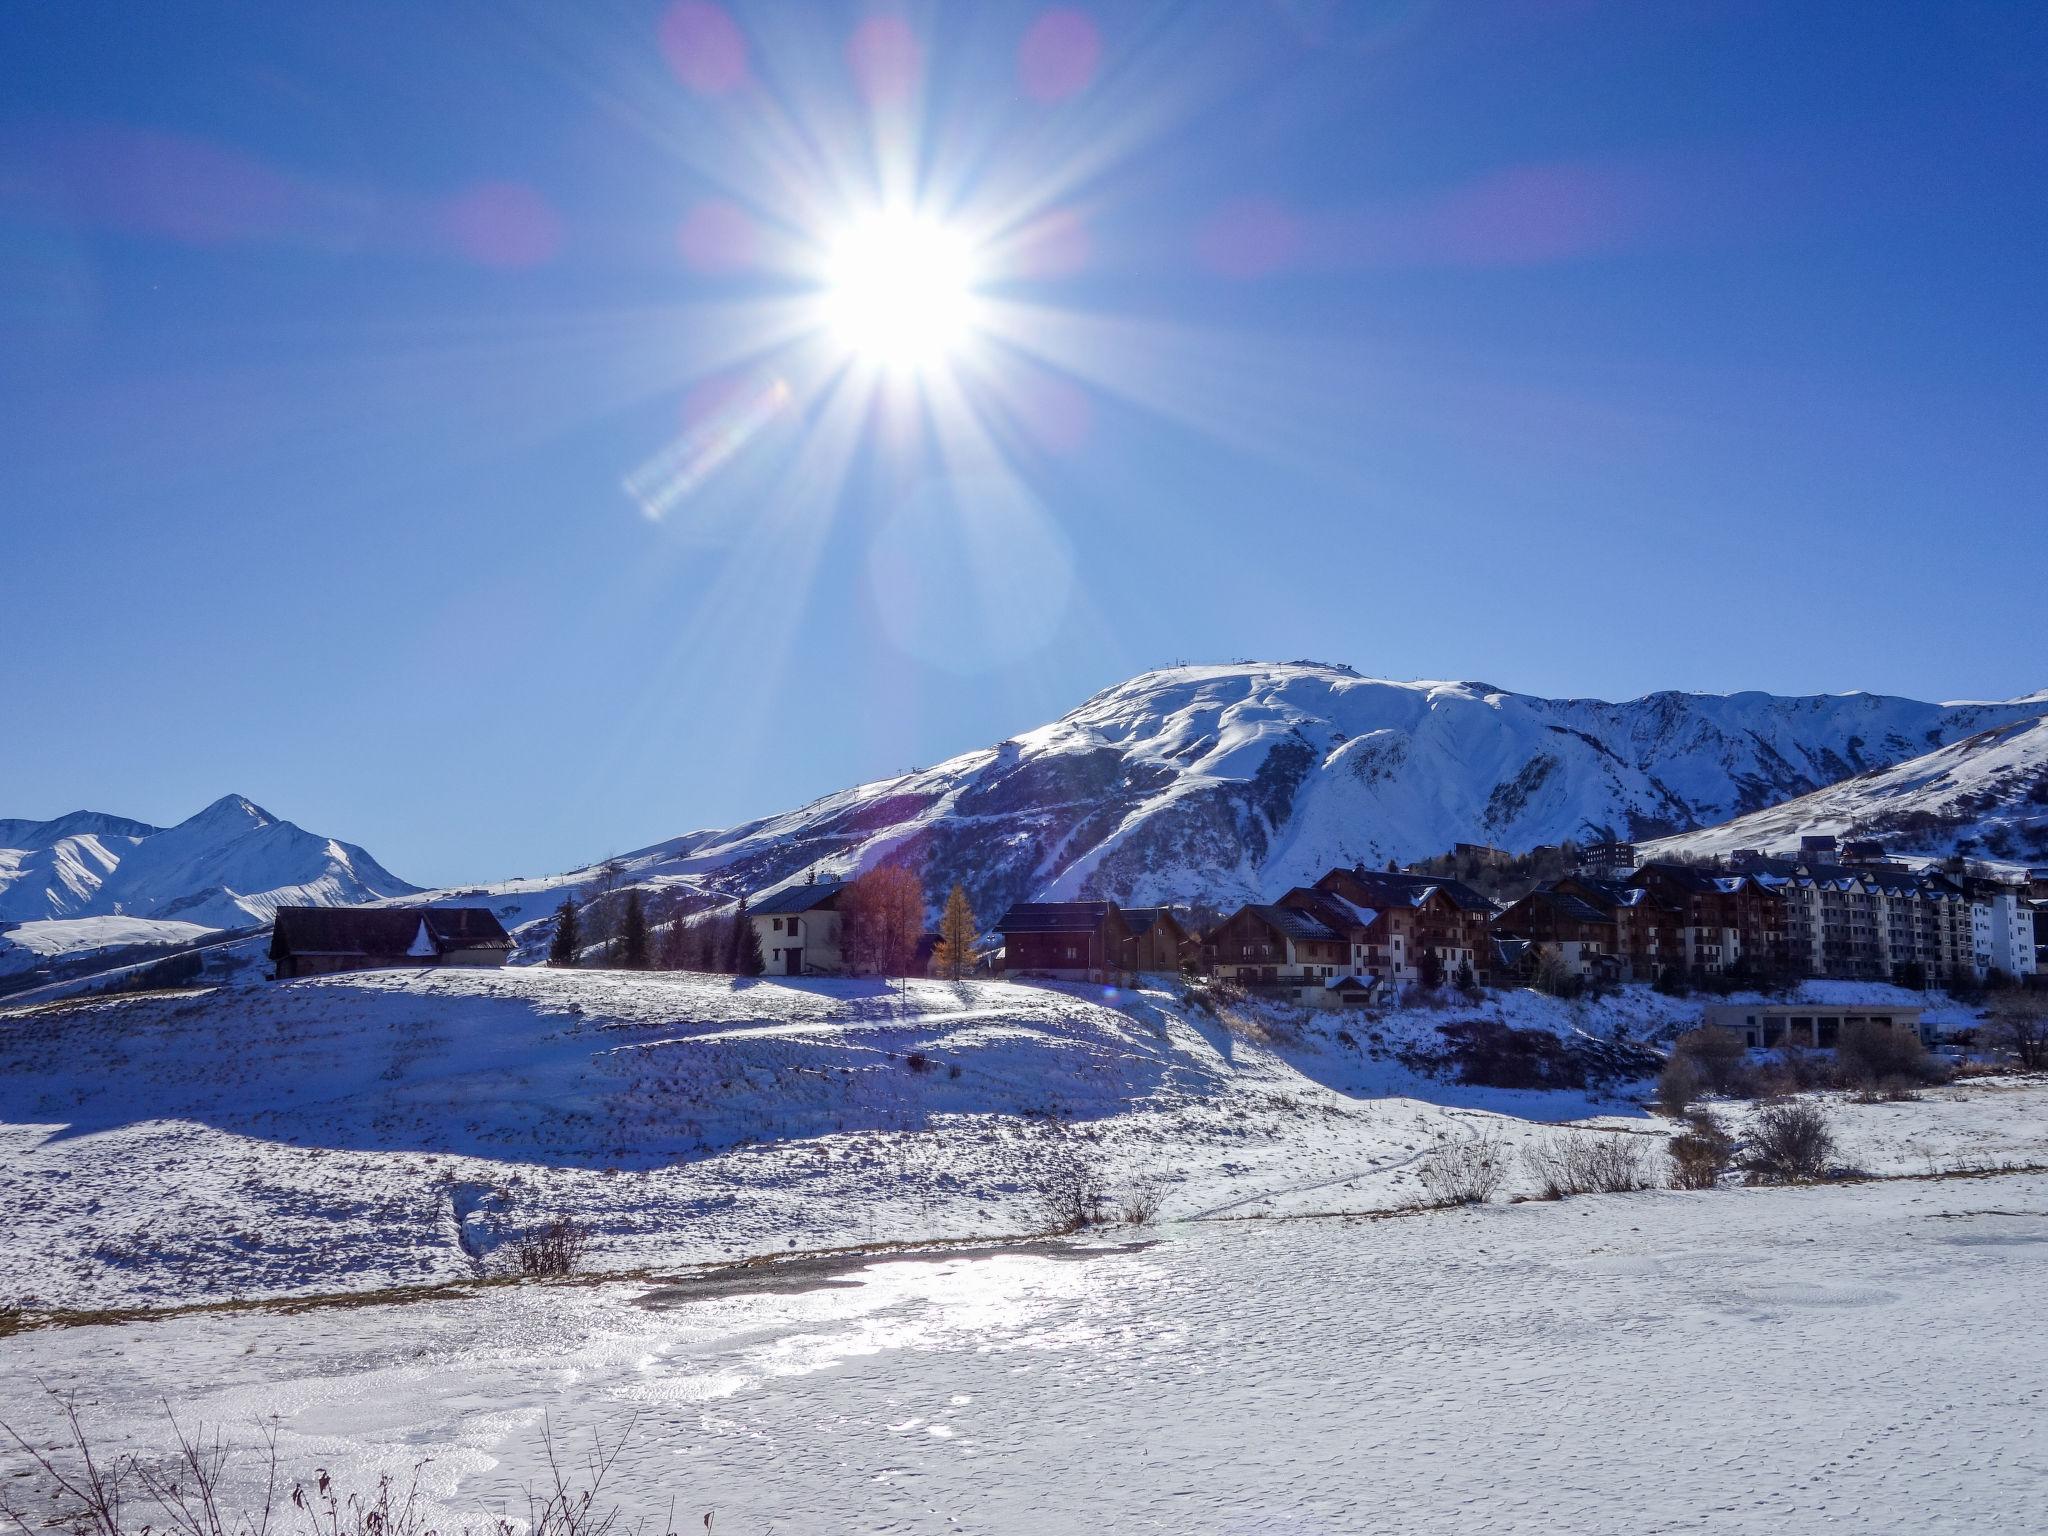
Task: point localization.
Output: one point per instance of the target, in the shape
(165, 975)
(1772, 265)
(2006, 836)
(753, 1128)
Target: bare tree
(2019, 1025)
(883, 914)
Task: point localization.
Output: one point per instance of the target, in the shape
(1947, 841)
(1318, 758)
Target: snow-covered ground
(26, 945)
(1286, 1348)
(399, 1127)
(1855, 1358)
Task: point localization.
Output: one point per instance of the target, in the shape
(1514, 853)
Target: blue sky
(405, 423)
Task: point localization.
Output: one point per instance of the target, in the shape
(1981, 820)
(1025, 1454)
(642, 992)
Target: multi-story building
(1280, 948)
(1578, 934)
(2001, 931)
(1401, 923)
(1722, 922)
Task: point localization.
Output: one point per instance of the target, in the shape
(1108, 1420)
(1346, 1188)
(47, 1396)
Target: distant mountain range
(1986, 795)
(230, 866)
(1214, 783)
(1225, 783)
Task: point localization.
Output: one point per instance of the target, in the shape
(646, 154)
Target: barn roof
(383, 932)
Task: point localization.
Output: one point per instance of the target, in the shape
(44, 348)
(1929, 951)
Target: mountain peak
(232, 810)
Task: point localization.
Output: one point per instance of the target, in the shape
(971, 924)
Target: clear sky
(504, 435)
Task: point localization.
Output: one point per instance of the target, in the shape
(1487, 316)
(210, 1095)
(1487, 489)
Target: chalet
(1158, 940)
(1645, 930)
(318, 941)
(1579, 934)
(1724, 922)
(1413, 921)
(798, 929)
(1064, 940)
(1282, 949)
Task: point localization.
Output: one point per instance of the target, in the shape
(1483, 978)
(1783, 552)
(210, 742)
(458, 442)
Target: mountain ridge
(228, 865)
(1226, 783)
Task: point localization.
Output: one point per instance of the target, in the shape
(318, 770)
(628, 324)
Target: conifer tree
(743, 946)
(956, 936)
(562, 952)
(633, 933)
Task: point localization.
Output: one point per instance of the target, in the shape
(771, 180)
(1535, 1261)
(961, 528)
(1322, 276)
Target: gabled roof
(1565, 905)
(1396, 888)
(1296, 923)
(384, 933)
(1142, 920)
(805, 897)
(1353, 984)
(1056, 916)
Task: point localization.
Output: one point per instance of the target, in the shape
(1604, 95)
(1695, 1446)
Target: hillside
(229, 866)
(1222, 783)
(1986, 795)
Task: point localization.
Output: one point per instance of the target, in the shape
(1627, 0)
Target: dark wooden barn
(317, 941)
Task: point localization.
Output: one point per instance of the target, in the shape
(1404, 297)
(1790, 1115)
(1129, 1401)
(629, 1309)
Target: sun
(900, 291)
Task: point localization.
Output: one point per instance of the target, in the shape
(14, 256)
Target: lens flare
(899, 291)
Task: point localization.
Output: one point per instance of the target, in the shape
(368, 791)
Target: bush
(1677, 1086)
(1699, 1153)
(1793, 1069)
(1070, 1195)
(1588, 1163)
(553, 1251)
(1788, 1143)
(1141, 1206)
(1463, 1171)
(1720, 1059)
(1881, 1056)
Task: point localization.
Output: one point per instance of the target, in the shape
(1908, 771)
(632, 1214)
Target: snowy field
(1853, 1357)
(398, 1128)
(1285, 1349)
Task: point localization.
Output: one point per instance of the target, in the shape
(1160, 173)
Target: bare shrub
(1463, 1171)
(1788, 1143)
(2019, 1026)
(1588, 1163)
(1141, 1206)
(88, 1490)
(1879, 1056)
(1717, 1056)
(1677, 1086)
(1793, 1069)
(553, 1250)
(1699, 1153)
(1070, 1194)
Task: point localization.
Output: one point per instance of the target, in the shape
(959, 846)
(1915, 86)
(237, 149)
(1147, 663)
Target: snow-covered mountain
(1222, 783)
(230, 866)
(1986, 795)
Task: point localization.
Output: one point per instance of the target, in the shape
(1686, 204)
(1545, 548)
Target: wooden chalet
(1410, 918)
(1645, 930)
(1158, 941)
(1278, 947)
(1558, 923)
(1724, 922)
(1065, 940)
(318, 941)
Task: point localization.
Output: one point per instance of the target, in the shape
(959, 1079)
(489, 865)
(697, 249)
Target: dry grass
(83, 1489)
